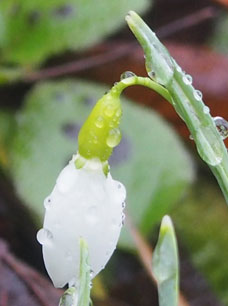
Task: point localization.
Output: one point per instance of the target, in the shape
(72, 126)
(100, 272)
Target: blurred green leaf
(80, 296)
(219, 39)
(150, 159)
(30, 31)
(10, 74)
(7, 129)
(165, 264)
(202, 223)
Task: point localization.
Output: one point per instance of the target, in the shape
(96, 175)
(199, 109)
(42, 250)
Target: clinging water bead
(222, 126)
(127, 74)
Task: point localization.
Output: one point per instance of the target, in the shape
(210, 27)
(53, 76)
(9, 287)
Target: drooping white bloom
(83, 204)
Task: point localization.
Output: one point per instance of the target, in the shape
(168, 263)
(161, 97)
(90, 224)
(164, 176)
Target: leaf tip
(166, 224)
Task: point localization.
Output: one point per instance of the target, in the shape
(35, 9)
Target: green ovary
(100, 133)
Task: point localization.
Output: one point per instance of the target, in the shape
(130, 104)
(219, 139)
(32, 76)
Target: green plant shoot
(165, 264)
(186, 100)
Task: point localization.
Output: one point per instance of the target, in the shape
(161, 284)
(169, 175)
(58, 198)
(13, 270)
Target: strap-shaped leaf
(165, 264)
(186, 100)
(79, 296)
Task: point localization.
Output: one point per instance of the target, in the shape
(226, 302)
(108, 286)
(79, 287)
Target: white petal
(83, 204)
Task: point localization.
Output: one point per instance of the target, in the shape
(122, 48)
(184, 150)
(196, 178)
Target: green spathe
(100, 133)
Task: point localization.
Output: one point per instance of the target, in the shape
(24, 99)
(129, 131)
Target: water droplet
(47, 203)
(109, 110)
(90, 285)
(44, 236)
(222, 126)
(191, 137)
(119, 186)
(89, 152)
(123, 219)
(206, 110)
(111, 123)
(113, 138)
(178, 68)
(127, 74)
(152, 74)
(118, 113)
(123, 205)
(198, 95)
(91, 273)
(91, 216)
(72, 282)
(187, 79)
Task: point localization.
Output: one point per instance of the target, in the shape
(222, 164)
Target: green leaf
(7, 128)
(84, 278)
(150, 160)
(165, 264)
(79, 296)
(219, 40)
(186, 100)
(201, 223)
(31, 31)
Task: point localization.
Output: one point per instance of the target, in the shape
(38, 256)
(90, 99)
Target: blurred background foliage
(57, 58)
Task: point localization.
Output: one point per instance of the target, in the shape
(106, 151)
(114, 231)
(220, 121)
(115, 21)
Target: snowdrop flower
(86, 201)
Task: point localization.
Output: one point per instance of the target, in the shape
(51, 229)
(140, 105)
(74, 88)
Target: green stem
(186, 100)
(142, 81)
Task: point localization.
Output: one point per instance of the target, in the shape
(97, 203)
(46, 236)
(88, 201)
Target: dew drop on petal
(123, 218)
(127, 74)
(47, 203)
(44, 236)
(222, 126)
